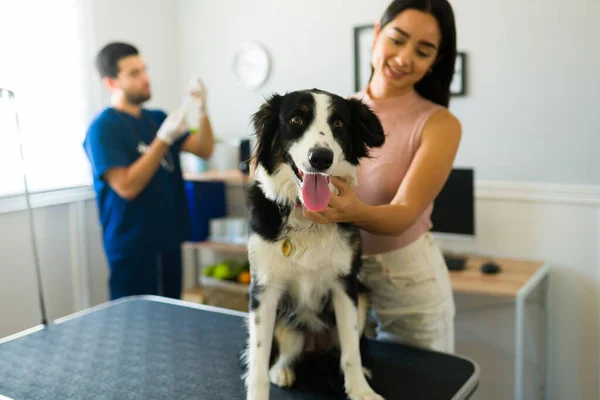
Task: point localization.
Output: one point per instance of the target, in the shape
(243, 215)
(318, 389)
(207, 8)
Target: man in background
(134, 155)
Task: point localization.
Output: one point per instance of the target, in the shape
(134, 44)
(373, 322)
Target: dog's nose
(320, 158)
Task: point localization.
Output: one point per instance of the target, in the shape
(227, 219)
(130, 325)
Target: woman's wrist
(363, 214)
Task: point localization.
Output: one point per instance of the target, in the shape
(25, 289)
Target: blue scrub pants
(149, 274)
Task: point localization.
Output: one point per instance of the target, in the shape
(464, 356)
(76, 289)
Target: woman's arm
(424, 180)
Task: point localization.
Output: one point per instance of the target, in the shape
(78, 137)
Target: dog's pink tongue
(315, 192)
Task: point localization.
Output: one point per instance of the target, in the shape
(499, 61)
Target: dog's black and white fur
(315, 286)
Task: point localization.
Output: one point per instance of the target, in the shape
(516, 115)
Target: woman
(413, 56)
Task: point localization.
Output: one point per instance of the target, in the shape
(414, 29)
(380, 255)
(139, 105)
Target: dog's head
(305, 137)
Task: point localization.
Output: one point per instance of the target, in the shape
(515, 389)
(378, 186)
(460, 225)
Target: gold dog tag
(286, 248)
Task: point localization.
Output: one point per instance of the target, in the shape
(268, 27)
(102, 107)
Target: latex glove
(197, 93)
(173, 127)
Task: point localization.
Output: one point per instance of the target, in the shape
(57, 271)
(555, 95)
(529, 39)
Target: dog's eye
(338, 123)
(296, 120)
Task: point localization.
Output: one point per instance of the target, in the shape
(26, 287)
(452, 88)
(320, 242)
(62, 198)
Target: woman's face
(404, 51)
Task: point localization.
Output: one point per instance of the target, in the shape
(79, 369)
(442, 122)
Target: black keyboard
(455, 263)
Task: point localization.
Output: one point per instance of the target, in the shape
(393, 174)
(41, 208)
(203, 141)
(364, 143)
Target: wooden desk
(513, 276)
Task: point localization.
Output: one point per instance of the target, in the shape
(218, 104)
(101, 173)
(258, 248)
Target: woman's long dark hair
(434, 86)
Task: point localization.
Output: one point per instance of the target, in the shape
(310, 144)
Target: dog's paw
(357, 391)
(282, 376)
(371, 395)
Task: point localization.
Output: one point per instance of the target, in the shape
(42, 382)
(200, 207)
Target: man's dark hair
(108, 58)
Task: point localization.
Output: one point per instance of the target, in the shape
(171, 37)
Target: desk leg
(521, 302)
(519, 338)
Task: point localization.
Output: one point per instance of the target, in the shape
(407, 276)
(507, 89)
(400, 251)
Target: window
(44, 62)
(11, 177)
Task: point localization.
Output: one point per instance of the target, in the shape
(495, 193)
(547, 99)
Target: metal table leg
(521, 302)
(190, 267)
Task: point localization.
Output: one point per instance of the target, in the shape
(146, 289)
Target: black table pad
(152, 348)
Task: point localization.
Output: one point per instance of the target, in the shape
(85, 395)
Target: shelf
(234, 176)
(209, 282)
(194, 295)
(515, 273)
(218, 246)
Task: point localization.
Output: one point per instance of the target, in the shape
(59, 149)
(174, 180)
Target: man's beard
(136, 98)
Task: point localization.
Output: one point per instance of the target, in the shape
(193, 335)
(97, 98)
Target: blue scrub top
(158, 218)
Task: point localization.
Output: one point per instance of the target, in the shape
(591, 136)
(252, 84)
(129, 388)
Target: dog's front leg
(263, 310)
(346, 316)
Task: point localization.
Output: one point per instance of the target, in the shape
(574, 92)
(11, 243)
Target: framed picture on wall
(457, 87)
(363, 39)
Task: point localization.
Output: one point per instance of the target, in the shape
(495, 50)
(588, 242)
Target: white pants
(411, 295)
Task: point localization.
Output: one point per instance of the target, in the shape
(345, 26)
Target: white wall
(310, 44)
(19, 308)
(531, 113)
(72, 263)
(532, 80)
(151, 26)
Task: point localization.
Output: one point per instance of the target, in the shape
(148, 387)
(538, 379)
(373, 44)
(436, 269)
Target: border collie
(304, 275)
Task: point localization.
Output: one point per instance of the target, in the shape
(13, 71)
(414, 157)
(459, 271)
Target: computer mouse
(490, 267)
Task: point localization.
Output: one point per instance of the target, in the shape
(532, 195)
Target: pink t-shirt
(379, 177)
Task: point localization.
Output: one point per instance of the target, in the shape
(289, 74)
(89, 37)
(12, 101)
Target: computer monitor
(453, 213)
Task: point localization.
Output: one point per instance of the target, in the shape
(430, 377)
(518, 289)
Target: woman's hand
(345, 207)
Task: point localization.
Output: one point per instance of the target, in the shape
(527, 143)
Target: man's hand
(197, 93)
(201, 143)
(173, 127)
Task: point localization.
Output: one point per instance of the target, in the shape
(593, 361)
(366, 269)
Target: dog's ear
(367, 129)
(266, 123)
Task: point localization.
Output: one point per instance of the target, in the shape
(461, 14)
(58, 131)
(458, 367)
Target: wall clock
(251, 65)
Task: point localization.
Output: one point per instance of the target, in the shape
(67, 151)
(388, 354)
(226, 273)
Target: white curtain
(45, 60)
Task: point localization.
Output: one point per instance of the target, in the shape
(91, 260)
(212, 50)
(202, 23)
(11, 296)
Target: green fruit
(209, 271)
(222, 271)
